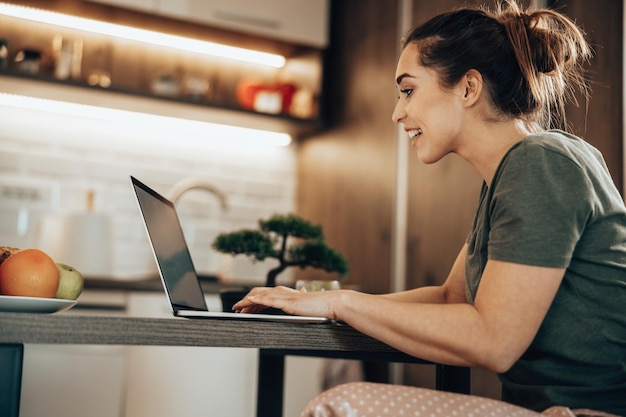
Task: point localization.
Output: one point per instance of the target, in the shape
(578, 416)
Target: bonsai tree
(290, 239)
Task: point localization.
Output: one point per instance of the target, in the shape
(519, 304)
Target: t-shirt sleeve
(540, 205)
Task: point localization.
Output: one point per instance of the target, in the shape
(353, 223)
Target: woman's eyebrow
(401, 77)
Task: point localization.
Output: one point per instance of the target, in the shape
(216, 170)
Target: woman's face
(431, 115)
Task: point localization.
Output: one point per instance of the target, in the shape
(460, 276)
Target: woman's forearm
(429, 330)
(431, 295)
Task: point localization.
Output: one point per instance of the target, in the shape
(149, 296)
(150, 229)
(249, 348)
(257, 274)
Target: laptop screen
(170, 249)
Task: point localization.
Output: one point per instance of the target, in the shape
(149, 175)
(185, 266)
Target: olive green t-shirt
(552, 203)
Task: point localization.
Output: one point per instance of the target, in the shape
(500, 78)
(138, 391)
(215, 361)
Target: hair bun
(547, 50)
(546, 40)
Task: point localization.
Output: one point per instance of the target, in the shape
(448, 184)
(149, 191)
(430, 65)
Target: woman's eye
(406, 91)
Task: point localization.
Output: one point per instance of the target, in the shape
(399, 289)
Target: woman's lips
(414, 134)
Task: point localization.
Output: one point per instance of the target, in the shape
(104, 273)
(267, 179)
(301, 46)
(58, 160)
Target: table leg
(453, 379)
(271, 380)
(11, 359)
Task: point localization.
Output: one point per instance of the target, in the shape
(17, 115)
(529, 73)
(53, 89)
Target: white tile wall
(68, 156)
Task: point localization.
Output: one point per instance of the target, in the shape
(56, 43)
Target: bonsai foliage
(290, 239)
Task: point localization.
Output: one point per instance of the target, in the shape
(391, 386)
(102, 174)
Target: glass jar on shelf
(27, 61)
(4, 54)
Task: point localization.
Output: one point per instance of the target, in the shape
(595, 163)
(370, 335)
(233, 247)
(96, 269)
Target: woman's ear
(472, 87)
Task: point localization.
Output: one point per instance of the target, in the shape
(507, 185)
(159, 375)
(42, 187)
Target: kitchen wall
(64, 157)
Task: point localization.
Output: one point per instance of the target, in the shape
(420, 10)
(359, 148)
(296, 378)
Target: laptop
(175, 265)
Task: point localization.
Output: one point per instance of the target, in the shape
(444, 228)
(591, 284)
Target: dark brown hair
(531, 61)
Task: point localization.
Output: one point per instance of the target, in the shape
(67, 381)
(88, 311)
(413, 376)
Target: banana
(6, 251)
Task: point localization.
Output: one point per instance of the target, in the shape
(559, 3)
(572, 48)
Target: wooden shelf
(78, 92)
(132, 68)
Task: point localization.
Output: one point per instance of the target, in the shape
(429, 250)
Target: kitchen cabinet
(297, 21)
(187, 381)
(302, 22)
(59, 380)
(205, 380)
(149, 6)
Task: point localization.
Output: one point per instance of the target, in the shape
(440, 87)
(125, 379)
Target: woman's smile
(414, 134)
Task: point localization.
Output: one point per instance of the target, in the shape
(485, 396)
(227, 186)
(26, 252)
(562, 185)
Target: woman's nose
(398, 113)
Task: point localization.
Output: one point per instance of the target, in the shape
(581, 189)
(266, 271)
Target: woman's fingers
(258, 299)
(299, 302)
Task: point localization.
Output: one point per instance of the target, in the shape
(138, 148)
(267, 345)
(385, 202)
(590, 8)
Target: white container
(86, 244)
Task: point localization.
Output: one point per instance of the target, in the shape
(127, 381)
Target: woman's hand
(302, 303)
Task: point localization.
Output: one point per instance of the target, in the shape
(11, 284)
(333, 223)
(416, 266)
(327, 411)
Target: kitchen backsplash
(50, 163)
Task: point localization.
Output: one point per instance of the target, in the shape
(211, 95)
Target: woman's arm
(451, 291)
(510, 305)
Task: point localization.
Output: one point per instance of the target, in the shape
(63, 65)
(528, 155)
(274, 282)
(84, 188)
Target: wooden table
(275, 341)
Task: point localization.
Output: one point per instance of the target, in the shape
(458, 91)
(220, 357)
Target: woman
(538, 291)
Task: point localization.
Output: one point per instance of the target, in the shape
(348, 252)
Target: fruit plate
(17, 304)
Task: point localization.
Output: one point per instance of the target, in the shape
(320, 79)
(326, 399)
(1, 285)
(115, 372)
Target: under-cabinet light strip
(229, 135)
(142, 35)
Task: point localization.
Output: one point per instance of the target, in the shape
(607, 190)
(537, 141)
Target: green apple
(71, 282)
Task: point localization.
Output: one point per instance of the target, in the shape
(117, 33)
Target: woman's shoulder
(551, 144)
